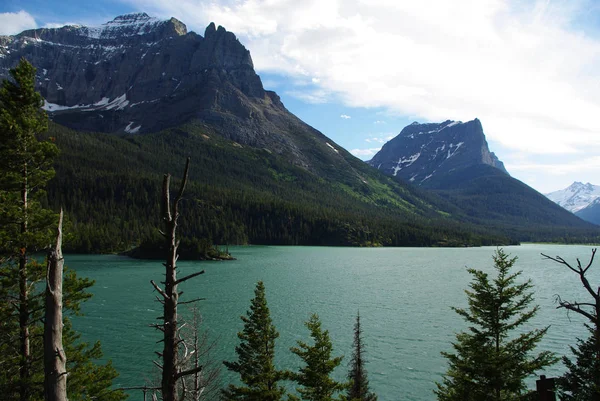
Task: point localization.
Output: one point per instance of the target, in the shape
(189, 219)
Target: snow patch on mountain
(405, 162)
(331, 146)
(453, 149)
(130, 130)
(575, 197)
(119, 103)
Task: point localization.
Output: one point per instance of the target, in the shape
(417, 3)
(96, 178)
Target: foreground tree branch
(582, 380)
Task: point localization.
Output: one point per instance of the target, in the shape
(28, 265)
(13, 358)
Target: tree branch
(157, 288)
(189, 372)
(192, 301)
(181, 280)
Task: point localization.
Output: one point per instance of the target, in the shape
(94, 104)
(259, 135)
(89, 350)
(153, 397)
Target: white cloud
(315, 96)
(379, 122)
(345, 116)
(521, 68)
(365, 153)
(379, 138)
(13, 23)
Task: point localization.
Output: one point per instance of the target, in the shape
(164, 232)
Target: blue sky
(361, 70)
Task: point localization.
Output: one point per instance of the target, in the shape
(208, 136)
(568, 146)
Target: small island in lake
(189, 249)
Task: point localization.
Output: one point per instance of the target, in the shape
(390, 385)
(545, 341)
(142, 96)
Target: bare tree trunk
(171, 369)
(24, 373)
(55, 360)
(169, 376)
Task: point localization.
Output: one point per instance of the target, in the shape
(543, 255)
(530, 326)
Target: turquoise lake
(404, 297)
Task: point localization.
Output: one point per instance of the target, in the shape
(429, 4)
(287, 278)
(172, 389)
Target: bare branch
(189, 372)
(181, 280)
(157, 288)
(192, 301)
(580, 271)
(182, 187)
(560, 260)
(136, 388)
(575, 308)
(591, 261)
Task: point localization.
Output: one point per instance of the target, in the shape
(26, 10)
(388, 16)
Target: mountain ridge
(420, 150)
(576, 196)
(453, 160)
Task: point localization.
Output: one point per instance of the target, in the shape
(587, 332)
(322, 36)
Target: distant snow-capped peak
(575, 197)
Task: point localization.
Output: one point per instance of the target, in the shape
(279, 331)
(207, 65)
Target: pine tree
(579, 383)
(357, 375)
(256, 354)
(25, 166)
(314, 378)
(26, 227)
(491, 360)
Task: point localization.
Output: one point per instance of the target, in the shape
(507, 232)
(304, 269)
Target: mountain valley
(131, 99)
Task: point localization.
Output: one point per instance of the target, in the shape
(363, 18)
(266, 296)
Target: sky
(361, 70)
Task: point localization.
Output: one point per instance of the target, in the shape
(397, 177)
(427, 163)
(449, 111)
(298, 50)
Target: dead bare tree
(55, 360)
(589, 310)
(203, 385)
(172, 369)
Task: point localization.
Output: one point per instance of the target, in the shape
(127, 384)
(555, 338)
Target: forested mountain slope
(110, 187)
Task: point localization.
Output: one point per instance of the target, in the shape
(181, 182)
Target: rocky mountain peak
(226, 48)
(136, 24)
(422, 151)
(576, 196)
(135, 73)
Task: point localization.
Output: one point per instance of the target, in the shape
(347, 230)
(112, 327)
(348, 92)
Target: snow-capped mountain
(576, 196)
(422, 153)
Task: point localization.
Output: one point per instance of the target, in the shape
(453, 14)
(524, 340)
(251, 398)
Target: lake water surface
(403, 295)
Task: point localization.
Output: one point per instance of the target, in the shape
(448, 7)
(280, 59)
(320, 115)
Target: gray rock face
(137, 74)
(422, 151)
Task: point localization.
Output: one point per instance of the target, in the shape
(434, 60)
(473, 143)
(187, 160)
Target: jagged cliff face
(423, 152)
(127, 70)
(138, 74)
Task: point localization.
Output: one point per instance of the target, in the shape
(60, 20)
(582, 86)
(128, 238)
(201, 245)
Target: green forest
(109, 186)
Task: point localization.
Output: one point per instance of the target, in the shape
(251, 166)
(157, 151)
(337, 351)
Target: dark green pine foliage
(357, 374)
(579, 383)
(106, 182)
(256, 354)
(493, 358)
(314, 378)
(27, 227)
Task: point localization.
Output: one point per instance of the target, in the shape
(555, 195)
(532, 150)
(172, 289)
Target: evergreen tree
(314, 377)
(579, 383)
(491, 360)
(256, 354)
(357, 375)
(25, 166)
(26, 227)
